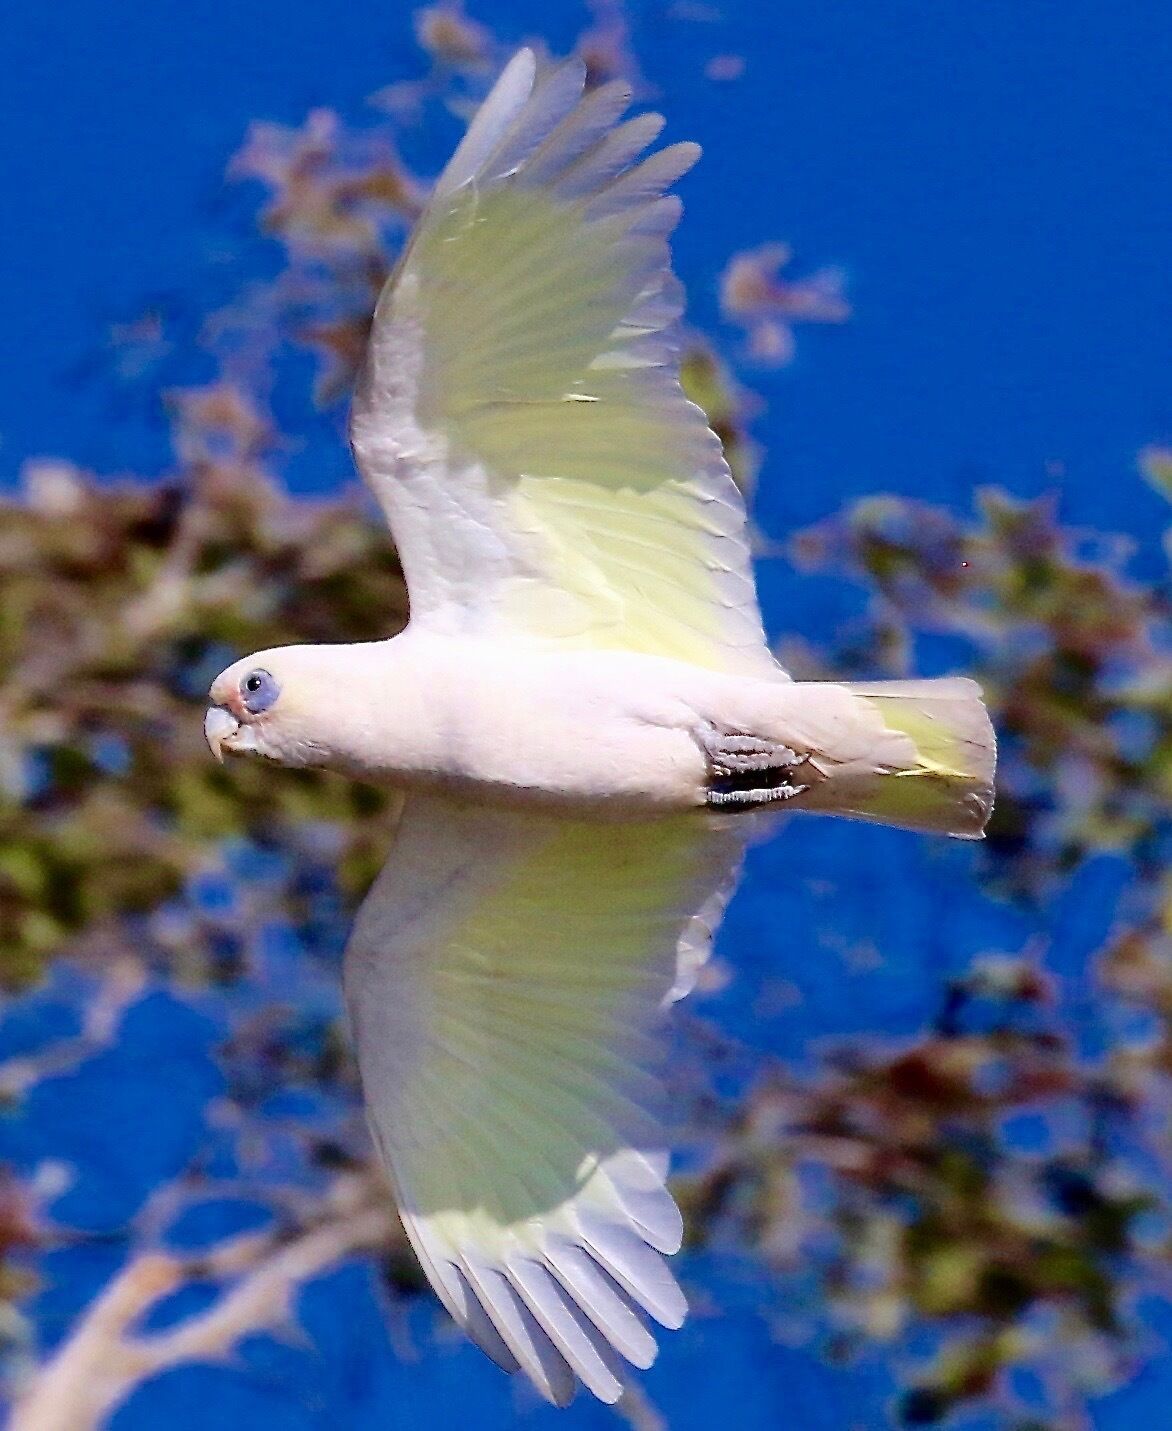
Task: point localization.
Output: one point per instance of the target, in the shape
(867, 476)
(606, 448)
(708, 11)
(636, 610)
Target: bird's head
(274, 704)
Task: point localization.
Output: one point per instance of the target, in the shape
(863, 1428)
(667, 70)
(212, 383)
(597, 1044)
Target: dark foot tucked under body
(746, 773)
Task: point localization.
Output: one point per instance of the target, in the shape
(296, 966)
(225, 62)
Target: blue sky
(993, 178)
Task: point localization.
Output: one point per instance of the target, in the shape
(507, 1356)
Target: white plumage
(520, 417)
(504, 981)
(581, 711)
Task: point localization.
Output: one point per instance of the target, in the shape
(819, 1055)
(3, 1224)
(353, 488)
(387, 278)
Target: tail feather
(929, 768)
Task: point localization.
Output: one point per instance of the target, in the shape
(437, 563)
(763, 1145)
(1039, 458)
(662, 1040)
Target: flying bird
(585, 721)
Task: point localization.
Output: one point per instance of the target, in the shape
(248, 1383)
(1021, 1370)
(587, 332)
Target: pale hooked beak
(219, 725)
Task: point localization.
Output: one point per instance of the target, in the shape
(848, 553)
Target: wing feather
(490, 123)
(601, 1298)
(520, 415)
(505, 980)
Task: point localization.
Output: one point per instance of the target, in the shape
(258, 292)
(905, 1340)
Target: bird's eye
(258, 690)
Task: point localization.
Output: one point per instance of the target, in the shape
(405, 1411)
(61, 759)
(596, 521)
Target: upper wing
(504, 980)
(520, 416)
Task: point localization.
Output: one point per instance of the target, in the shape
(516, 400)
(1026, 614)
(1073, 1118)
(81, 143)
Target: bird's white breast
(604, 732)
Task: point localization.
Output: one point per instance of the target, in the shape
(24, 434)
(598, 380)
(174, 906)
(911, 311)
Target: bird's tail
(917, 754)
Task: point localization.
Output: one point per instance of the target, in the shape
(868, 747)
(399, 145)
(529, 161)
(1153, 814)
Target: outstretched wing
(504, 981)
(520, 416)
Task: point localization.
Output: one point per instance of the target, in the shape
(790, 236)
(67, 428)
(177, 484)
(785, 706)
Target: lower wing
(505, 978)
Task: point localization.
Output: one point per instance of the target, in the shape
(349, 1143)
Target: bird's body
(598, 735)
(584, 718)
(511, 726)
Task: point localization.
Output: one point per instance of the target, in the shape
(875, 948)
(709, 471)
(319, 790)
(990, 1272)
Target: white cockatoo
(583, 715)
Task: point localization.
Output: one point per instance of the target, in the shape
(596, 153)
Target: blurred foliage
(1022, 1256)
(1073, 653)
(119, 601)
(754, 294)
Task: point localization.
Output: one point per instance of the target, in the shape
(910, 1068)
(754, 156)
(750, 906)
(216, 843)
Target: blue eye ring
(258, 691)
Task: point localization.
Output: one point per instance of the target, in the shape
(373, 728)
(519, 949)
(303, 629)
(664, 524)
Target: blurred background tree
(965, 1217)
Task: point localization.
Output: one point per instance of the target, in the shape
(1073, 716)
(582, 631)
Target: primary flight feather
(583, 714)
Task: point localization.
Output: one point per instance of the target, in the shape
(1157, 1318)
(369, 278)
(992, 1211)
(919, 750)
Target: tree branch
(102, 1362)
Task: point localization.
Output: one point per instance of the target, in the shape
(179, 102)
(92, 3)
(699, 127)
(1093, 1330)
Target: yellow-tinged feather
(537, 1107)
(579, 497)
